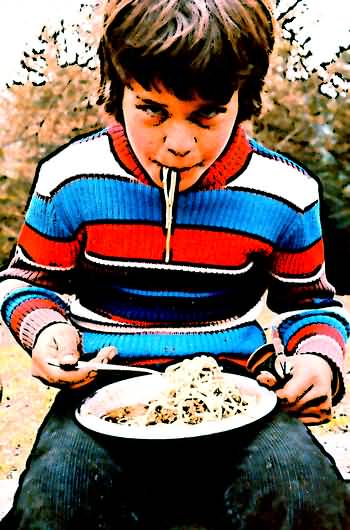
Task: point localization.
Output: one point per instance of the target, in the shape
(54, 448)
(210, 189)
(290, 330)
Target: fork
(102, 366)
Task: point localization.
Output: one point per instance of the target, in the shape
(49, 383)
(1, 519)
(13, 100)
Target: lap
(217, 479)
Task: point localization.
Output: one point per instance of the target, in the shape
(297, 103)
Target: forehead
(159, 93)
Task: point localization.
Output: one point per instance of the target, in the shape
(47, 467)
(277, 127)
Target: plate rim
(161, 431)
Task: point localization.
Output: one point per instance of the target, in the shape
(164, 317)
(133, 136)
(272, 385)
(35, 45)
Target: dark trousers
(272, 475)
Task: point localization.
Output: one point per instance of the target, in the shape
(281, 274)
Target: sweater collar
(230, 163)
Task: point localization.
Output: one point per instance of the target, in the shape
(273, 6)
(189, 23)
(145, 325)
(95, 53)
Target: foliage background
(55, 99)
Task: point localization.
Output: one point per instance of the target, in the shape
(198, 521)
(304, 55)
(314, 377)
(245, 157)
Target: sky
(22, 20)
(326, 22)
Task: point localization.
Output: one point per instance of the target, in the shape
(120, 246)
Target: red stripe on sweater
(28, 306)
(233, 360)
(47, 252)
(170, 360)
(150, 362)
(144, 242)
(215, 247)
(312, 330)
(125, 241)
(300, 263)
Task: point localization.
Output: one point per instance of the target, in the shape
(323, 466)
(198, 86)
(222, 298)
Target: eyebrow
(217, 106)
(207, 104)
(151, 102)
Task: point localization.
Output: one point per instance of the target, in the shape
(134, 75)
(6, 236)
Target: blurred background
(48, 90)
(49, 83)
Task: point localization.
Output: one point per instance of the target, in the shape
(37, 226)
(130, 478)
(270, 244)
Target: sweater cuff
(35, 322)
(28, 310)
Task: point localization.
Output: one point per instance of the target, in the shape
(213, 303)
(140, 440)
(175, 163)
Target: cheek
(213, 146)
(141, 142)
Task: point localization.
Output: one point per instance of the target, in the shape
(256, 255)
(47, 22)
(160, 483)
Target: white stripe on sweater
(278, 179)
(168, 266)
(79, 158)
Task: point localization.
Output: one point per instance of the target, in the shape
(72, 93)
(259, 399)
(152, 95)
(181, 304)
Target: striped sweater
(95, 231)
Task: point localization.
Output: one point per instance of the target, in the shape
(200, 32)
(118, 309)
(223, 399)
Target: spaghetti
(196, 391)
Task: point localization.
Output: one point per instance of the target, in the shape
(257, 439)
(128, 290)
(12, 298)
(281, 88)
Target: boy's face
(166, 131)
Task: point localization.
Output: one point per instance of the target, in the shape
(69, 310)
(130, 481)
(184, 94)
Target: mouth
(174, 168)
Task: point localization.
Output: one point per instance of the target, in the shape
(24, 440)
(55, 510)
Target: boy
(167, 228)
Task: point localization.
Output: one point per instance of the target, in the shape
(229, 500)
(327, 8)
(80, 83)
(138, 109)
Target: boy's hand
(61, 342)
(307, 395)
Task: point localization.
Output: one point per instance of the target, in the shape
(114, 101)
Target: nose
(179, 139)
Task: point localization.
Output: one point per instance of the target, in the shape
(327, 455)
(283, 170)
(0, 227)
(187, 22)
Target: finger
(309, 400)
(74, 376)
(69, 359)
(294, 390)
(105, 354)
(67, 343)
(322, 405)
(63, 353)
(83, 382)
(316, 410)
(266, 379)
(322, 412)
(68, 352)
(310, 397)
(315, 417)
(57, 376)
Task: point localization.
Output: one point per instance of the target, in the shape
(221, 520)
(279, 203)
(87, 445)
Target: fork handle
(102, 366)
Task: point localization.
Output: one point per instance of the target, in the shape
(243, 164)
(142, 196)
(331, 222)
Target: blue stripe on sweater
(262, 150)
(104, 199)
(169, 293)
(248, 212)
(93, 199)
(24, 294)
(247, 338)
(290, 326)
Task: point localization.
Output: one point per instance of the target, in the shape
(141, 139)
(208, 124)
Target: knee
(295, 492)
(298, 505)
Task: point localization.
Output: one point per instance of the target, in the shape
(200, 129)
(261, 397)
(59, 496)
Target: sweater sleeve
(310, 318)
(45, 257)
(28, 310)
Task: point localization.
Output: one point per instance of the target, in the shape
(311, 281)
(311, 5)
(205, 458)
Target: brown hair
(207, 47)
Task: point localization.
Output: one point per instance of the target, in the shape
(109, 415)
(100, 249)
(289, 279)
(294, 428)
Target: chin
(188, 180)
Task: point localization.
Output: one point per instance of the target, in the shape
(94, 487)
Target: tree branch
(288, 9)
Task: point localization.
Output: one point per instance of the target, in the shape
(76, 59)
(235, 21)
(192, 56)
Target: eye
(205, 114)
(208, 113)
(153, 110)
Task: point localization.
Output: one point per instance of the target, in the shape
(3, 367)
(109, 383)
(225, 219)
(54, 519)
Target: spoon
(102, 366)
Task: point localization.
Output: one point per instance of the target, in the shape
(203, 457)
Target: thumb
(267, 379)
(67, 343)
(106, 354)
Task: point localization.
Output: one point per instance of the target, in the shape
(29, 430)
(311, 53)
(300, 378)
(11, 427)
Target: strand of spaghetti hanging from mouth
(169, 178)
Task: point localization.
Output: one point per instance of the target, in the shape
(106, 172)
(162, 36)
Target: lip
(180, 169)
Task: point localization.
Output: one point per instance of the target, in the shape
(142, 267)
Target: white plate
(144, 388)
